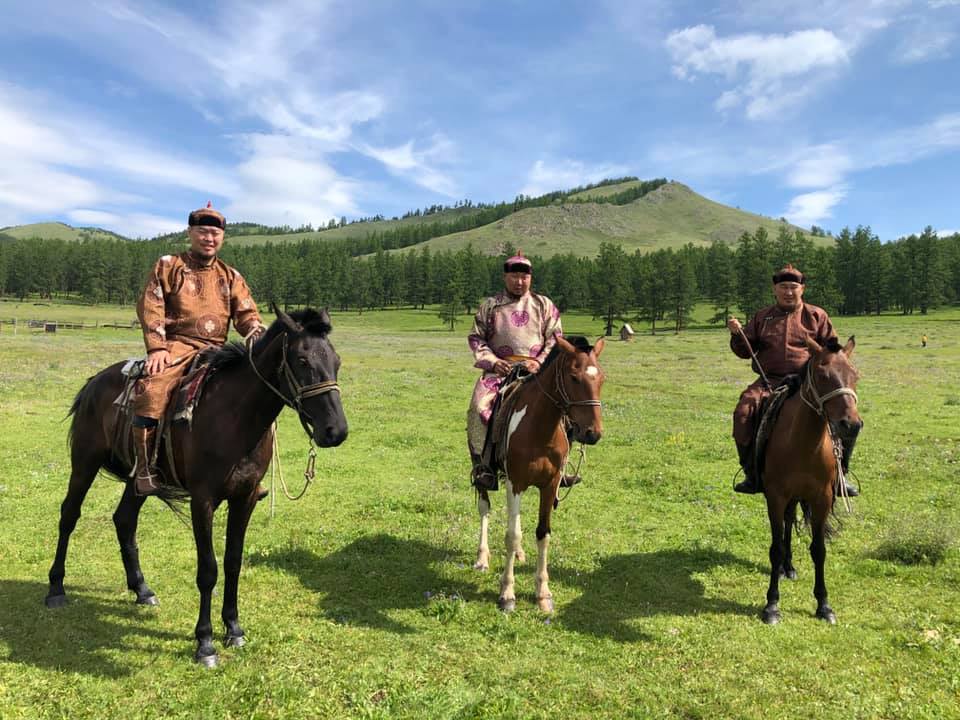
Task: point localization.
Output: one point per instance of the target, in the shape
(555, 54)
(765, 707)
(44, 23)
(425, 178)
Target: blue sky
(126, 115)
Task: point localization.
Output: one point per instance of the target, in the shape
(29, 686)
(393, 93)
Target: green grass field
(360, 600)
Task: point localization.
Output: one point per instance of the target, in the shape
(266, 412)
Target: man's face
(788, 295)
(205, 241)
(517, 283)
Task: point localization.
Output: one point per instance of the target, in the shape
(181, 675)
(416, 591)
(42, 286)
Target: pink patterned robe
(506, 327)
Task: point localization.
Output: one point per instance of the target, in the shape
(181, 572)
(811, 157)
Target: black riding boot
(749, 484)
(846, 452)
(481, 476)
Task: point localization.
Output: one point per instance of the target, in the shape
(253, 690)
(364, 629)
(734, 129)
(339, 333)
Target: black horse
(223, 457)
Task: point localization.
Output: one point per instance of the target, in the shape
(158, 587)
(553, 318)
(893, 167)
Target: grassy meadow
(360, 600)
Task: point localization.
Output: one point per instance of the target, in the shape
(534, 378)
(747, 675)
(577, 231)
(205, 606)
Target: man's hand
(733, 325)
(502, 367)
(531, 365)
(157, 361)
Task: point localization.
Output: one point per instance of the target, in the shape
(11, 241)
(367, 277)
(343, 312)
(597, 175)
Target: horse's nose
(591, 437)
(332, 436)
(850, 428)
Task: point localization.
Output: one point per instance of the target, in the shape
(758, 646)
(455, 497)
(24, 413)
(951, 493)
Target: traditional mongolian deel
(506, 328)
(186, 307)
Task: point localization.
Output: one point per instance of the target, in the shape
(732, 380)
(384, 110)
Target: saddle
(494, 453)
(181, 408)
(768, 413)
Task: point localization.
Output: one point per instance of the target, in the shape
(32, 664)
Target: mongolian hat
(789, 274)
(518, 263)
(207, 216)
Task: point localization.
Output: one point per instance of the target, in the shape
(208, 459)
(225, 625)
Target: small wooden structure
(626, 332)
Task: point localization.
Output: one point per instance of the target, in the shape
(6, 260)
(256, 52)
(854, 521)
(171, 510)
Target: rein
(300, 392)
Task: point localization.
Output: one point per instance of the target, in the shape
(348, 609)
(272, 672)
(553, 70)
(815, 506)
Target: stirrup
(483, 478)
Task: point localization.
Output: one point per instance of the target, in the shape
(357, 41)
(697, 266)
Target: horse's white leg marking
(483, 550)
(514, 424)
(544, 596)
(511, 540)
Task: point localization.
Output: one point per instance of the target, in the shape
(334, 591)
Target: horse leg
(508, 598)
(81, 478)
(788, 571)
(544, 596)
(238, 518)
(201, 511)
(771, 613)
(818, 553)
(125, 520)
(483, 549)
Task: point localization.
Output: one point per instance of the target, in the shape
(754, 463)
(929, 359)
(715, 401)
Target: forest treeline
(855, 275)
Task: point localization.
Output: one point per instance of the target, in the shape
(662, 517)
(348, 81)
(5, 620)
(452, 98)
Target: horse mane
(578, 341)
(312, 322)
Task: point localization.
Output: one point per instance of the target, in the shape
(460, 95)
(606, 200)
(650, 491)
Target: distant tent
(626, 332)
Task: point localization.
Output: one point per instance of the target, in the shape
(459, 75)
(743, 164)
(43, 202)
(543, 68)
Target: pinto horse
(221, 459)
(802, 465)
(564, 394)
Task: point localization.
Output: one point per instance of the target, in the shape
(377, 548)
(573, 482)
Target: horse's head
(579, 380)
(830, 386)
(309, 374)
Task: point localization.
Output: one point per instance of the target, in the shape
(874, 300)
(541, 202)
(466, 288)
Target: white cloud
(132, 225)
(419, 166)
(814, 207)
(946, 232)
(924, 43)
(818, 166)
(769, 72)
(546, 177)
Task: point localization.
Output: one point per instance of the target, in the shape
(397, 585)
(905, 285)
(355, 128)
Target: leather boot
(749, 484)
(146, 481)
(568, 481)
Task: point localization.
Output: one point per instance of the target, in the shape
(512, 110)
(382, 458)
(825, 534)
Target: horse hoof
(507, 605)
(150, 599)
(790, 574)
(770, 615)
(481, 566)
(545, 605)
(827, 615)
(207, 661)
(55, 601)
(234, 641)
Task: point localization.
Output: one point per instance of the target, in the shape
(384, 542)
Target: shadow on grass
(75, 638)
(375, 574)
(643, 585)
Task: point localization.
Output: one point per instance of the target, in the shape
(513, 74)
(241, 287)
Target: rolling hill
(669, 216)
(59, 231)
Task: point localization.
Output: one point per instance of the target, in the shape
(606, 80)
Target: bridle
(300, 392)
(810, 388)
(564, 403)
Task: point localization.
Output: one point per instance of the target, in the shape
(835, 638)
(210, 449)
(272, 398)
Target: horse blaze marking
(591, 371)
(515, 423)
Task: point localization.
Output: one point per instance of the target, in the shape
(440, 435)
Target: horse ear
(598, 347)
(848, 348)
(325, 316)
(812, 345)
(290, 323)
(565, 345)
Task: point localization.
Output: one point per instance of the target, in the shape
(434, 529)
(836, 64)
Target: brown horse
(222, 458)
(564, 396)
(802, 464)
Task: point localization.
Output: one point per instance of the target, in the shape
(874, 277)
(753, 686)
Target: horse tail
(831, 523)
(82, 406)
